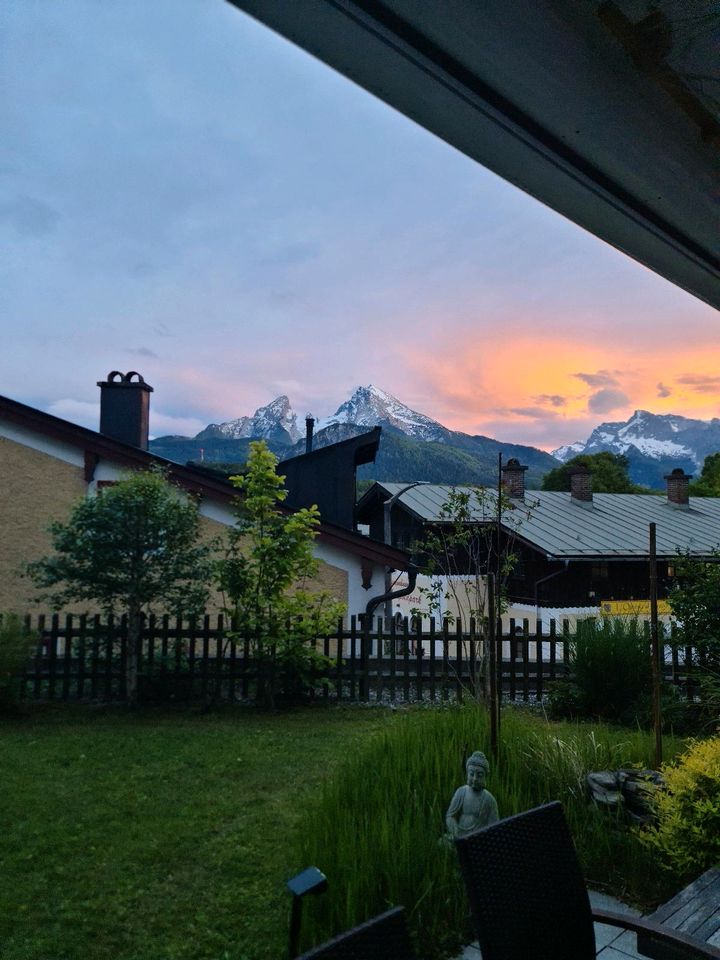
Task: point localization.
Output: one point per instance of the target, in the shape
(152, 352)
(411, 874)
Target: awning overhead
(606, 113)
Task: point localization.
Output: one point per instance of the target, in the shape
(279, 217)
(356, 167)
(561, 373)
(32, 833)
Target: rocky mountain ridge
(654, 444)
(412, 446)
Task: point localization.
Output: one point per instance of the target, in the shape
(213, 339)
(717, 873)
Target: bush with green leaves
(686, 837)
(16, 644)
(263, 576)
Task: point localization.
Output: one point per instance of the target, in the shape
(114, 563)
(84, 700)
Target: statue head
(477, 768)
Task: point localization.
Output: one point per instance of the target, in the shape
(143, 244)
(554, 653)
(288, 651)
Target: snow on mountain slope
(650, 435)
(266, 423)
(369, 406)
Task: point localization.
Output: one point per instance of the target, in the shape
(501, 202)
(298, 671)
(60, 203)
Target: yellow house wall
(36, 488)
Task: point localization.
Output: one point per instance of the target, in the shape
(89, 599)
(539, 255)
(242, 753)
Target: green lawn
(158, 835)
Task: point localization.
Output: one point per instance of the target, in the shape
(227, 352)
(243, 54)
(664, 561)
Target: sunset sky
(186, 194)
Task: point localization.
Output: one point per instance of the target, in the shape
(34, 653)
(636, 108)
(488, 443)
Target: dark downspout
(372, 604)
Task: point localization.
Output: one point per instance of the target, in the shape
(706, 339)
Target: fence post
(364, 654)
(538, 660)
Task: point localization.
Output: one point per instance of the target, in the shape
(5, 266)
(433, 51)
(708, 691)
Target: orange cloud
(503, 383)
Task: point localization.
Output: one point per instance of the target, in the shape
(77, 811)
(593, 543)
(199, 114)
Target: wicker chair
(528, 896)
(384, 937)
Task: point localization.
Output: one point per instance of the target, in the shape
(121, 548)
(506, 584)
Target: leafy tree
(708, 483)
(458, 552)
(695, 603)
(263, 575)
(609, 473)
(129, 549)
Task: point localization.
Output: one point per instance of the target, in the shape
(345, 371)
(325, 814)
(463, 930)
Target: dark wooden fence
(83, 658)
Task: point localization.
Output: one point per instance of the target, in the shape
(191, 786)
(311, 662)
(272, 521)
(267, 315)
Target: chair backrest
(385, 937)
(526, 889)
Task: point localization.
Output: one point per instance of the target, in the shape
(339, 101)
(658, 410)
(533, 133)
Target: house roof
(614, 525)
(603, 110)
(96, 446)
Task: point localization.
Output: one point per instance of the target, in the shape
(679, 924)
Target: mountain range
(654, 444)
(416, 447)
(413, 446)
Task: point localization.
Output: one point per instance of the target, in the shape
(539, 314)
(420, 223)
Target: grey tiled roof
(616, 524)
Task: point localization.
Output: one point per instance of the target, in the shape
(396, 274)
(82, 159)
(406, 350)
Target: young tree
(263, 576)
(129, 549)
(458, 553)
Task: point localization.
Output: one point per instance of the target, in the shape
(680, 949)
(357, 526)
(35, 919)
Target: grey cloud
(663, 391)
(143, 352)
(701, 383)
(603, 378)
(141, 269)
(536, 412)
(30, 217)
(605, 400)
(551, 399)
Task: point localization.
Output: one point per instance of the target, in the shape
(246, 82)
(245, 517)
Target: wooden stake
(655, 647)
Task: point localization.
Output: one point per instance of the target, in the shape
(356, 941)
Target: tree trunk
(133, 650)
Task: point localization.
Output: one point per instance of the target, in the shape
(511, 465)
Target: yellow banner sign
(632, 608)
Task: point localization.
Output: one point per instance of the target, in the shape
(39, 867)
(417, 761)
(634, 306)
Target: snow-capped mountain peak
(268, 422)
(569, 451)
(369, 406)
(665, 437)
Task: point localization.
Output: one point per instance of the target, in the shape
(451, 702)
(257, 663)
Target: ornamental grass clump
(611, 673)
(686, 837)
(375, 827)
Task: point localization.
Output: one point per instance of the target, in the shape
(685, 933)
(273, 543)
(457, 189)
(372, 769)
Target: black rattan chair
(528, 896)
(385, 937)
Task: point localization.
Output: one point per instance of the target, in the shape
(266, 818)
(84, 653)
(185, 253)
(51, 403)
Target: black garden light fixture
(311, 880)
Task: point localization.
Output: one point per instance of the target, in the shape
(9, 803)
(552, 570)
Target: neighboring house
(577, 552)
(47, 464)
(326, 476)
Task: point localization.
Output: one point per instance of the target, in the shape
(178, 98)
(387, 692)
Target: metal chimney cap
(117, 379)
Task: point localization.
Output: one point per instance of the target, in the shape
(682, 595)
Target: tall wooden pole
(497, 612)
(655, 647)
(492, 666)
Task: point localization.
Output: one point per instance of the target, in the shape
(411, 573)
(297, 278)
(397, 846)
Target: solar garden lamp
(311, 880)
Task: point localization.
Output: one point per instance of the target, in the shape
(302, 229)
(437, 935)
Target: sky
(186, 194)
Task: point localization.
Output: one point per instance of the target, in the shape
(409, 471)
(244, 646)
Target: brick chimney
(581, 486)
(513, 480)
(678, 493)
(125, 408)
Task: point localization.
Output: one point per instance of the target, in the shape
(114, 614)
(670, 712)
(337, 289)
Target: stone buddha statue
(472, 806)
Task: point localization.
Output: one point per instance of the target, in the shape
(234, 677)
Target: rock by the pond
(629, 790)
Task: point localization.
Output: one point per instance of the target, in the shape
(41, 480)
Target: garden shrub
(686, 837)
(16, 644)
